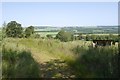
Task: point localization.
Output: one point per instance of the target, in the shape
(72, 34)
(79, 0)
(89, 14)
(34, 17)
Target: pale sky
(61, 13)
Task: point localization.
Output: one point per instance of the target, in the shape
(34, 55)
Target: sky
(60, 13)
(59, 0)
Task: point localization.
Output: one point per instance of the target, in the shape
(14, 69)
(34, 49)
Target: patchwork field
(43, 34)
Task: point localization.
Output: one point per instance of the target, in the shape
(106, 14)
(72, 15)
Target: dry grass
(73, 54)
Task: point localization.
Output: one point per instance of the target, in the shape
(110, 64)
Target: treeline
(94, 30)
(100, 37)
(15, 30)
(69, 36)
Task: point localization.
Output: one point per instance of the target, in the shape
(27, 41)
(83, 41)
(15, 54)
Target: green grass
(19, 64)
(101, 62)
(42, 50)
(43, 34)
(84, 60)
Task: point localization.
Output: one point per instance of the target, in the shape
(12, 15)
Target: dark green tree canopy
(64, 36)
(14, 29)
(49, 36)
(29, 31)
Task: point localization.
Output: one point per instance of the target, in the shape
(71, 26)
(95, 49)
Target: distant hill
(80, 29)
(107, 26)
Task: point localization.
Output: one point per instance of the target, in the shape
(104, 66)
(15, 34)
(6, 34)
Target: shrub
(64, 36)
(29, 31)
(49, 36)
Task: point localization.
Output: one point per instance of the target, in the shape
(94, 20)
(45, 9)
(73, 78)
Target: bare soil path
(51, 67)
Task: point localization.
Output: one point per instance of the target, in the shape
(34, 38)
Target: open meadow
(59, 39)
(43, 34)
(50, 58)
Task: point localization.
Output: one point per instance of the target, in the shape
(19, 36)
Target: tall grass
(87, 62)
(101, 62)
(18, 64)
(51, 47)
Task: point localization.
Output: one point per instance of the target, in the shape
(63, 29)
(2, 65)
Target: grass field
(43, 34)
(100, 34)
(50, 58)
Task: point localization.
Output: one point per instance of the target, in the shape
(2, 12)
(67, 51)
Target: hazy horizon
(61, 14)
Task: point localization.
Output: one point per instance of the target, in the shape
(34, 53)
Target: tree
(14, 29)
(88, 37)
(80, 36)
(64, 36)
(29, 31)
(93, 37)
(36, 35)
(49, 36)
